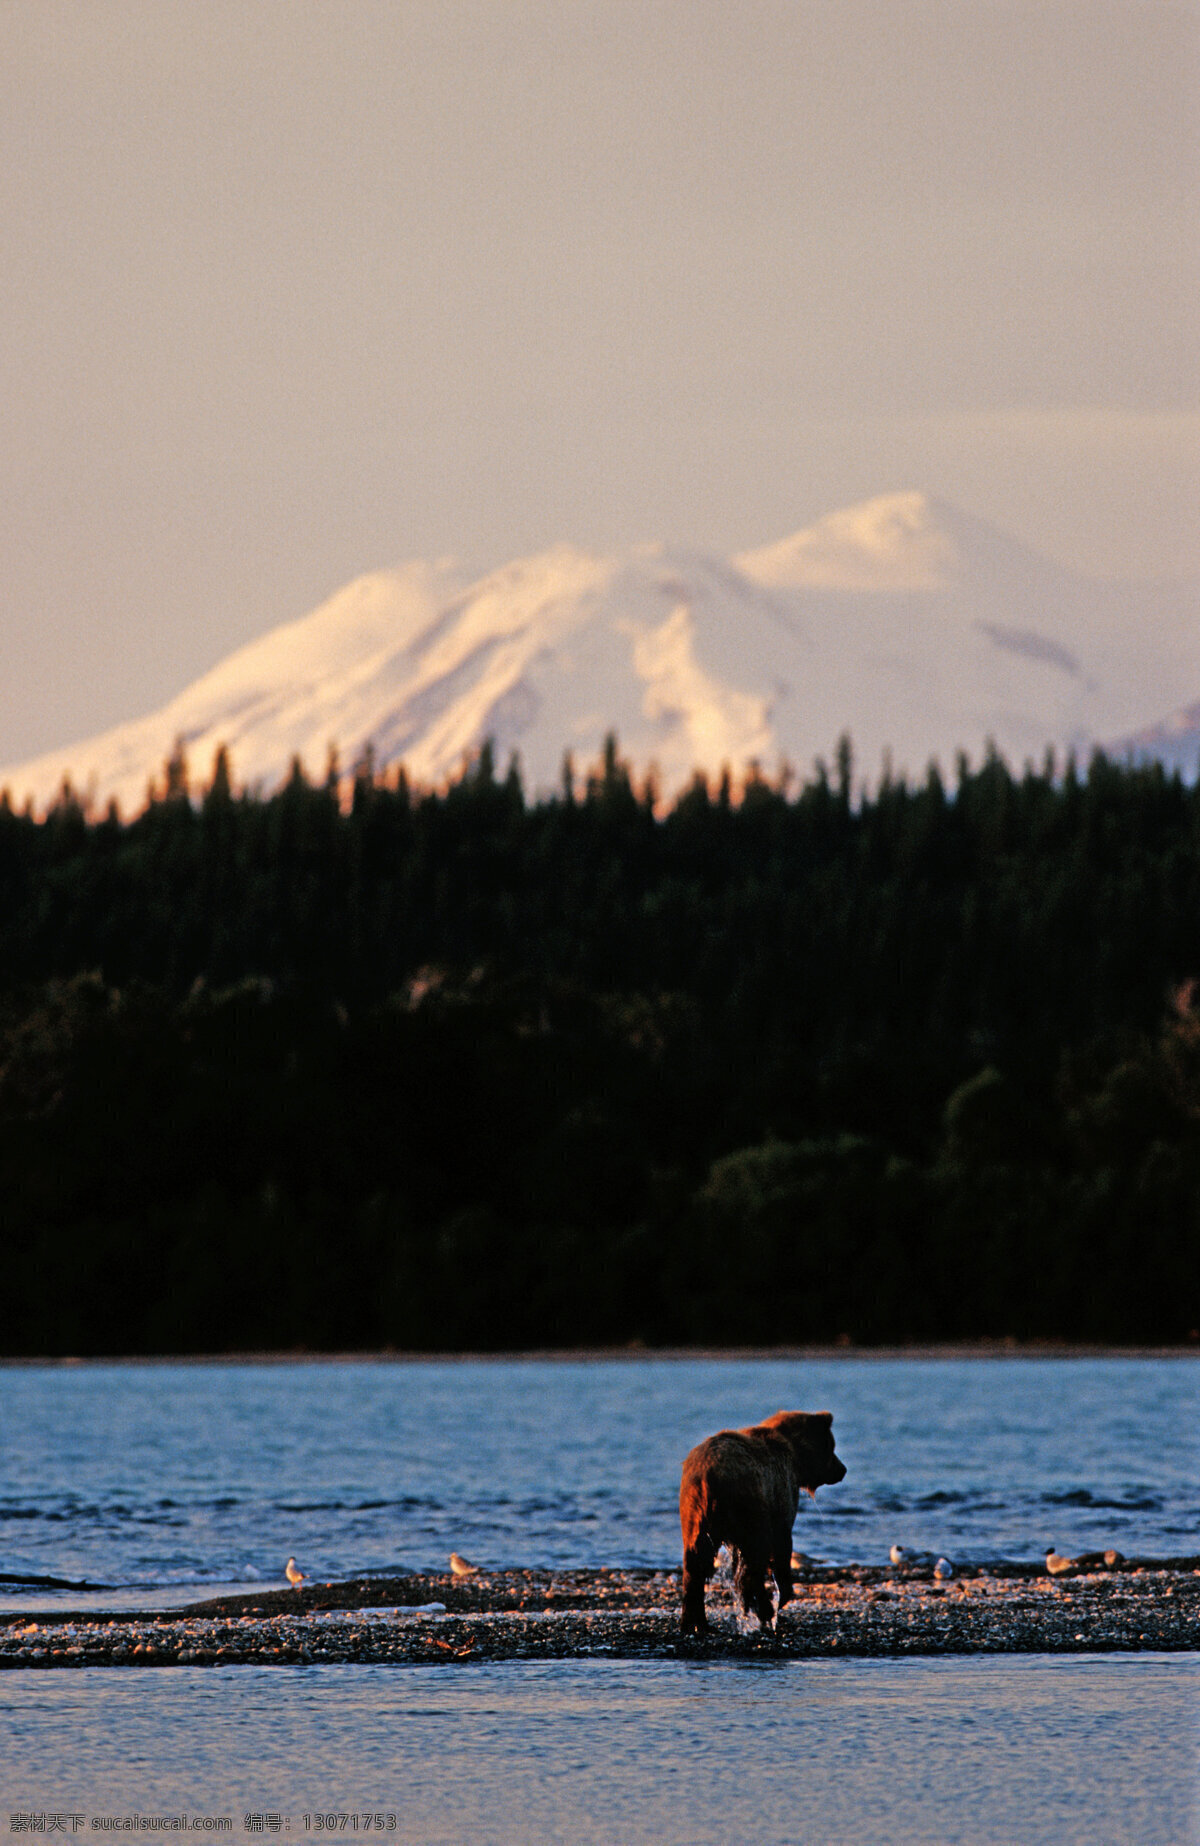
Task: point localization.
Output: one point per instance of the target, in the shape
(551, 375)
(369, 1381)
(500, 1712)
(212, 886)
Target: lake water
(986, 1752)
(161, 1481)
(172, 1478)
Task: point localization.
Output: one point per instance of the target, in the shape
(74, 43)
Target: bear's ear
(825, 1416)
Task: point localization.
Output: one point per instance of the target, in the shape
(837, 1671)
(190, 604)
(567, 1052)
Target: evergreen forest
(362, 1066)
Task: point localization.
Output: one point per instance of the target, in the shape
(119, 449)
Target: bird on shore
(460, 1568)
(904, 1554)
(943, 1569)
(295, 1577)
(1057, 1564)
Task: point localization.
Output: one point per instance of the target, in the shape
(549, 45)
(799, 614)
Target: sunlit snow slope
(918, 630)
(1174, 742)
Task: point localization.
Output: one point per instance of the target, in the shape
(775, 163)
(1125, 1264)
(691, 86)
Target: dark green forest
(360, 1065)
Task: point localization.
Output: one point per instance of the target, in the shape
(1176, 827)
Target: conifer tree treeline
(387, 1066)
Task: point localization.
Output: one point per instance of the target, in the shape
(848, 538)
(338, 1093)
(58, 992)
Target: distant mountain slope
(1175, 742)
(915, 628)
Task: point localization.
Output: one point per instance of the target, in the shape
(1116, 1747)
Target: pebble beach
(859, 1610)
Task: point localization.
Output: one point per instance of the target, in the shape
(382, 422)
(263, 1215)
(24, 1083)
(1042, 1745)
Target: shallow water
(975, 1752)
(162, 1478)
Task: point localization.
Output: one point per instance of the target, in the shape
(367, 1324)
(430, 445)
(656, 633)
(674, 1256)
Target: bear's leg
(753, 1595)
(781, 1563)
(698, 1560)
(743, 1581)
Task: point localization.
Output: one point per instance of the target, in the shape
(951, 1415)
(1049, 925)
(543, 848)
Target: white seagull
(943, 1569)
(1056, 1564)
(295, 1577)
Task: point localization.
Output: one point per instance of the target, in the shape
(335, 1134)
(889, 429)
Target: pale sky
(294, 289)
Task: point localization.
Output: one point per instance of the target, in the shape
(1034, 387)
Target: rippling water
(980, 1752)
(167, 1477)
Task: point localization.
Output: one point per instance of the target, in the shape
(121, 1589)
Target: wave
(1081, 1496)
(156, 1511)
(405, 1503)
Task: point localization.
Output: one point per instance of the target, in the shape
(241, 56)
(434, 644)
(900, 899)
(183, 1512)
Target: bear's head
(809, 1435)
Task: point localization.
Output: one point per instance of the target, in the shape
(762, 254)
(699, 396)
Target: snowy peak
(377, 616)
(912, 543)
(895, 542)
(917, 629)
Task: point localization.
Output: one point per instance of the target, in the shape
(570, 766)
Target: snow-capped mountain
(917, 629)
(1174, 742)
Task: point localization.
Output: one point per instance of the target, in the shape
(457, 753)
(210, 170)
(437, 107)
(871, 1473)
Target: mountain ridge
(919, 630)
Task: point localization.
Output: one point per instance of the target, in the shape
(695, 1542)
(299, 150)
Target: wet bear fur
(741, 1488)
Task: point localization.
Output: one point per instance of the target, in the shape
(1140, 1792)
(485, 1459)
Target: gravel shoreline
(1144, 1605)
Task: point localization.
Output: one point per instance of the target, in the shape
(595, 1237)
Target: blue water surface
(167, 1477)
(1039, 1751)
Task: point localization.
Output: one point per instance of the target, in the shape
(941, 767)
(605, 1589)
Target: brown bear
(741, 1488)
